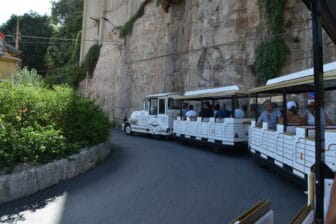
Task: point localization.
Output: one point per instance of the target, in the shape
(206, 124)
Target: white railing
(227, 131)
(295, 149)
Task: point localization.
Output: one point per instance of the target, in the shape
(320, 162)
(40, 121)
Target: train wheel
(128, 130)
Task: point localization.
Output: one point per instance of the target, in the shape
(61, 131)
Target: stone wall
(30, 180)
(197, 44)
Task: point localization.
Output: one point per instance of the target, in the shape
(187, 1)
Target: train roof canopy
(213, 93)
(163, 95)
(302, 81)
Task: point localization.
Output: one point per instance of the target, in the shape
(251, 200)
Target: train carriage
(228, 131)
(292, 148)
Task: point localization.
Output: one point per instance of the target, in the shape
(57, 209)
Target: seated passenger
(310, 116)
(270, 115)
(239, 113)
(223, 113)
(191, 112)
(293, 118)
(184, 109)
(206, 111)
(216, 110)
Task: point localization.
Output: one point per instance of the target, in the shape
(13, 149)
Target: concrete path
(148, 180)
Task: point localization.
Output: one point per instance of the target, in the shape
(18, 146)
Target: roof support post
(284, 106)
(319, 110)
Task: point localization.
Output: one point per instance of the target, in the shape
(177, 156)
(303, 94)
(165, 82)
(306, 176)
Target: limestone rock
(197, 44)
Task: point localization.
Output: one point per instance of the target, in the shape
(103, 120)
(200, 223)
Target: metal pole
(17, 33)
(256, 108)
(284, 107)
(233, 105)
(319, 103)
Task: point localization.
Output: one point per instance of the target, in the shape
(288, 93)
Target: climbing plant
(271, 54)
(270, 57)
(127, 28)
(91, 59)
(274, 10)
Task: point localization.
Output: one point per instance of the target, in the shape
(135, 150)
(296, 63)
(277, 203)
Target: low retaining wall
(19, 184)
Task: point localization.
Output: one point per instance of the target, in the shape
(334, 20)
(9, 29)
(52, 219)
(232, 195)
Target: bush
(70, 74)
(38, 124)
(25, 76)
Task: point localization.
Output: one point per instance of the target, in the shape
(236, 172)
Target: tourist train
(290, 148)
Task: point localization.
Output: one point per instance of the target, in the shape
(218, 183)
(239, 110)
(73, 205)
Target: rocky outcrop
(197, 44)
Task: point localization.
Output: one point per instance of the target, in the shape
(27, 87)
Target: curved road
(148, 180)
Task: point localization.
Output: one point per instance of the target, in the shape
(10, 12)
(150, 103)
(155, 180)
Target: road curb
(20, 184)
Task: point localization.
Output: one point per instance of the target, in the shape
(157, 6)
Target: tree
(67, 17)
(35, 31)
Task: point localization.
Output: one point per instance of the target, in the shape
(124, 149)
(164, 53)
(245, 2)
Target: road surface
(153, 181)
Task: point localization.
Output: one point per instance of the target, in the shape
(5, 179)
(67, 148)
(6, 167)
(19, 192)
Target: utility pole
(17, 33)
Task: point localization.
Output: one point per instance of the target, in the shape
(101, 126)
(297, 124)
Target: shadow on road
(11, 212)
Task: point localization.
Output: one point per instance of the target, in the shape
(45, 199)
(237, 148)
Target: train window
(146, 105)
(242, 106)
(162, 108)
(153, 103)
(173, 104)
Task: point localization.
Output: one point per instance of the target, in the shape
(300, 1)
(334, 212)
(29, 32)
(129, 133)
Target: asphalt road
(148, 180)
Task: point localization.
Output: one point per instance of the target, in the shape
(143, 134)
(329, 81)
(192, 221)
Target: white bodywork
(158, 123)
(295, 148)
(228, 131)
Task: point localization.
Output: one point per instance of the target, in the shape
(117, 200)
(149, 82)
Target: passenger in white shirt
(191, 112)
(239, 113)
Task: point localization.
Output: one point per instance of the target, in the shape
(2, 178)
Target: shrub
(38, 124)
(70, 74)
(25, 76)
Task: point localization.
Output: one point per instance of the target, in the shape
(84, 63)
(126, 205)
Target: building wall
(8, 65)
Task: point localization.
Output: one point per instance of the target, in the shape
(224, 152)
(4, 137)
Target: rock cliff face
(197, 44)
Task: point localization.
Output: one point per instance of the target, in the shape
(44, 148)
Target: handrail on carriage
(253, 214)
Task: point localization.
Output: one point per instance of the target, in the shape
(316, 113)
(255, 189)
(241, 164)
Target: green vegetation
(271, 54)
(38, 124)
(69, 74)
(274, 10)
(66, 19)
(91, 59)
(72, 74)
(270, 57)
(33, 49)
(127, 28)
(24, 76)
